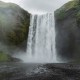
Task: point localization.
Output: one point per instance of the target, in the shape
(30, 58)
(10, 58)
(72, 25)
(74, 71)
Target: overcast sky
(39, 6)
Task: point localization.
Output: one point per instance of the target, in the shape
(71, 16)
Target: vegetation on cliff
(73, 5)
(17, 36)
(5, 57)
(14, 24)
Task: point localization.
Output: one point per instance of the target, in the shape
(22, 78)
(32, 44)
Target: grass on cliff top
(4, 57)
(6, 5)
(70, 5)
(61, 12)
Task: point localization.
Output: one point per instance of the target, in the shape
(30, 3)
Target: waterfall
(41, 39)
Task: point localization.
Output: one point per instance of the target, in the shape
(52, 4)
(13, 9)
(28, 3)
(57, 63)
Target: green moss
(78, 19)
(15, 26)
(71, 5)
(61, 13)
(78, 15)
(6, 5)
(4, 57)
(17, 36)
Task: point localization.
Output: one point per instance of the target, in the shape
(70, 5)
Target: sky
(39, 6)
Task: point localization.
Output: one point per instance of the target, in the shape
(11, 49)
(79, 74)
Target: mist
(39, 6)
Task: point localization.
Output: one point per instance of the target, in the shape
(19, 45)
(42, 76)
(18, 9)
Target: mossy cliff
(14, 27)
(14, 24)
(68, 30)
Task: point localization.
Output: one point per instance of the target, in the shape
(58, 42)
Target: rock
(22, 71)
(68, 30)
(14, 24)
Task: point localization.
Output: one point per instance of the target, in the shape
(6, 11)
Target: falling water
(41, 39)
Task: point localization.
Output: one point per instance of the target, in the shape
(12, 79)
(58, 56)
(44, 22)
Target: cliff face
(68, 30)
(14, 24)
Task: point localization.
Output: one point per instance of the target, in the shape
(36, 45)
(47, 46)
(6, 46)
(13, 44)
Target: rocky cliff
(68, 30)
(14, 24)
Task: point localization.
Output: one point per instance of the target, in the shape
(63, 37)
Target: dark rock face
(68, 31)
(14, 24)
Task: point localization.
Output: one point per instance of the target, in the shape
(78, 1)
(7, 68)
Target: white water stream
(41, 39)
